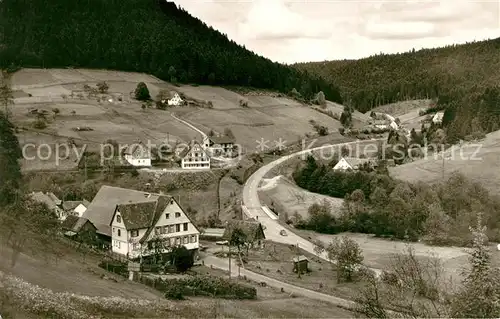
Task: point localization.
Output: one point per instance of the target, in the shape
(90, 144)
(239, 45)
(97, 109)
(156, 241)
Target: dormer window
(118, 219)
(177, 214)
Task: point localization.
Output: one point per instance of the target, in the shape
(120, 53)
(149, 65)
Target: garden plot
(52, 91)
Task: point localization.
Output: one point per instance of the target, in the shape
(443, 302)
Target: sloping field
(289, 123)
(478, 161)
(294, 199)
(359, 119)
(269, 118)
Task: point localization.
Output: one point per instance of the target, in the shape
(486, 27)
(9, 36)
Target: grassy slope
(152, 36)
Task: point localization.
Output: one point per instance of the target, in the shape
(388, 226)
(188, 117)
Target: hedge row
(201, 286)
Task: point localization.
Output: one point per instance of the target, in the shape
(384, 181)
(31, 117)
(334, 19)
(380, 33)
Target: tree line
(24, 223)
(377, 204)
(152, 36)
(462, 78)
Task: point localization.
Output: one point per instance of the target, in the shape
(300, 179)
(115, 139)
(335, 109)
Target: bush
(201, 286)
(182, 259)
(40, 124)
(142, 92)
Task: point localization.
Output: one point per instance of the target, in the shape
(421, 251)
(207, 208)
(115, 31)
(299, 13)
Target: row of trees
(467, 93)
(150, 36)
(377, 204)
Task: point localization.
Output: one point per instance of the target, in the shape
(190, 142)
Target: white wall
(342, 164)
(127, 241)
(119, 244)
(137, 162)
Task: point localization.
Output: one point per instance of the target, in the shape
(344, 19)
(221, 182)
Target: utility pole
(229, 254)
(298, 261)
(442, 169)
(85, 167)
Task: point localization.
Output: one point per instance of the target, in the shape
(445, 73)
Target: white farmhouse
(195, 157)
(176, 100)
(76, 208)
(142, 228)
(352, 163)
(438, 118)
(138, 155)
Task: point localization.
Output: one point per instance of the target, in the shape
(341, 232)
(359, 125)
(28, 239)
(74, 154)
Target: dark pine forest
(463, 79)
(151, 36)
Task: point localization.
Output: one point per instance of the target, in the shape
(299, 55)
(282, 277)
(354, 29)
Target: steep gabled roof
(138, 150)
(187, 150)
(74, 223)
(252, 229)
(102, 208)
(161, 204)
(71, 204)
(142, 215)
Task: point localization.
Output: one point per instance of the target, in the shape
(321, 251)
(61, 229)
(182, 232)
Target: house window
(119, 233)
(150, 245)
(165, 229)
(193, 238)
(116, 243)
(178, 241)
(178, 227)
(135, 246)
(134, 233)
(171, 229)
(114, 230)
(118, 219)
(186, 240)
(162, 230)
(185, 226)
(167, 242)
(167, 215)
(177, 214)
(157, 230)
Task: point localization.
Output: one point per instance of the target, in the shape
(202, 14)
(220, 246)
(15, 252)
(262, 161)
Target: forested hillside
(464, 78)
(151, 36)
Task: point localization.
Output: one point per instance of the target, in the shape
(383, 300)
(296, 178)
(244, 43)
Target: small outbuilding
(300, 263)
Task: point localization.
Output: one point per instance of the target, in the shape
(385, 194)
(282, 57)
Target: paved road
(288, 288)
(272, 227)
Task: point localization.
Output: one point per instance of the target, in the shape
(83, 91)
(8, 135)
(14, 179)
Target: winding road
(252, 206)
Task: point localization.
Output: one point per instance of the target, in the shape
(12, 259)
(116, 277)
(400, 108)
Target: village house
(219, 145)
(253, 230)
(138, 155)
(438, 118)
(194, 157)
(80, 229)
(176, 100)
(353, 163)
(140, 229)
(102, 208)
(75, 208)
(52, 202)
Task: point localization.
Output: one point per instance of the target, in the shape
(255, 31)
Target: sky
(315, 30)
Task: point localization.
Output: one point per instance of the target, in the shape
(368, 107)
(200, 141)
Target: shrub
(142, 92)
(201, 286)
(40, 124)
